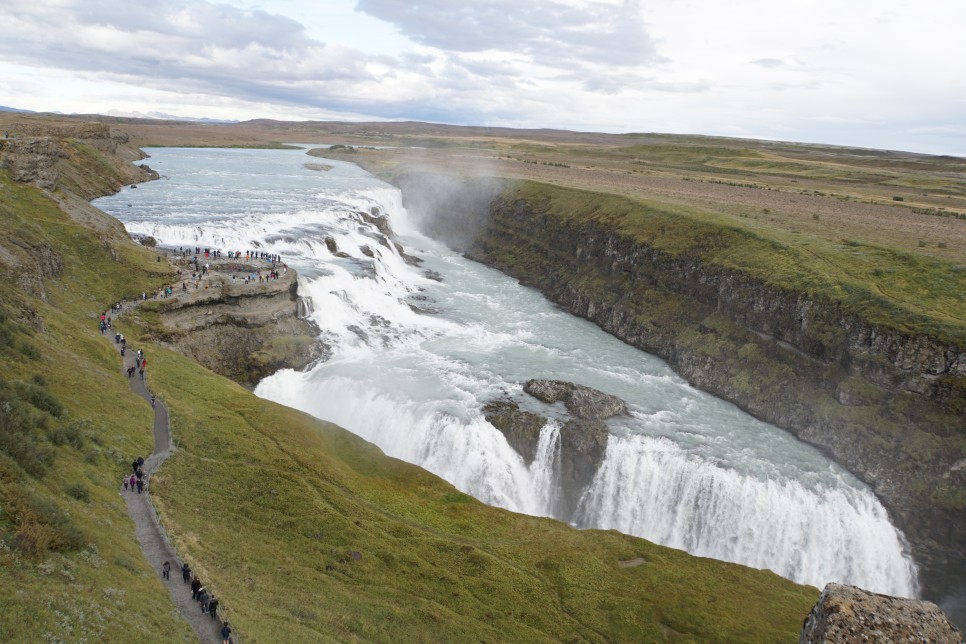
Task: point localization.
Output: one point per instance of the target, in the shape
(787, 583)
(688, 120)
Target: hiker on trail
(226, 634)
(152, 400)
(122, 352)
(133, 481)
(137, 360)
(123, 341)
(134, 465)
(166, 570)
(195, 585)
(140, 485)
(117, 338)
(140, 461)
(125, 482)
(186, 572)
(203, 598)
(213, 607)
(130, 372)
(141, 371)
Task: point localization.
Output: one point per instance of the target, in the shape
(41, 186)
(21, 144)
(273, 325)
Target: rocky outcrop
(888, 405)
(850, 614)
(521, 428)
(32, 160)
(73, 158)
(242, 331)
(582, 402)
(583, 435)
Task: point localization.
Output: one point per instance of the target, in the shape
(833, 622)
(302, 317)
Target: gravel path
(154, 542)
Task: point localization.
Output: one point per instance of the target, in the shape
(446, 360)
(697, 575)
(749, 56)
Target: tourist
(186, 572)
(225, 634)
(166, 570)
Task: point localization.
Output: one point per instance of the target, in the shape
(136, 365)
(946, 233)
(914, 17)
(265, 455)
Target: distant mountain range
(158, 116)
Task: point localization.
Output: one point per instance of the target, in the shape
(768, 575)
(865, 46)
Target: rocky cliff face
(52, 157)
(887, 405)
(242, 331)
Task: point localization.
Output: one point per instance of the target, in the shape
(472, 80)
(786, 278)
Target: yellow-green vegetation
(887, 287)
(270, 505)
(70, 566)
(303, 530)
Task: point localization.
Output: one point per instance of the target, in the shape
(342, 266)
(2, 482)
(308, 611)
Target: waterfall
(414, 359)
(650, 488)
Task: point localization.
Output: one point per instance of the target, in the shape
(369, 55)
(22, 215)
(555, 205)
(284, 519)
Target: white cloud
(881, 73)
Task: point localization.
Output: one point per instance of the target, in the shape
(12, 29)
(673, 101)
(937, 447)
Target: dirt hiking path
(154, 542)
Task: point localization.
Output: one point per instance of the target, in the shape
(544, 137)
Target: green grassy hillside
(883, 285)
(305, 532)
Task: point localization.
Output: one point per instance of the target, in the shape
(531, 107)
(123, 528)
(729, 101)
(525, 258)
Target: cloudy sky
(876, 73)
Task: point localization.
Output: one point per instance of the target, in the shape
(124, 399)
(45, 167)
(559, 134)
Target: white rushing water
(415, 359)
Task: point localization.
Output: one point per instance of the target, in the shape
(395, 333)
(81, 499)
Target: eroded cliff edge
(242, 329)
(889, 405)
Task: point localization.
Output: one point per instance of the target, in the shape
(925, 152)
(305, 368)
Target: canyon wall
(888, 405)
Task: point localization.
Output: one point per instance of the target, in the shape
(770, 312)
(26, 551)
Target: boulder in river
(583, 436)
(581, 402)
(521, 428)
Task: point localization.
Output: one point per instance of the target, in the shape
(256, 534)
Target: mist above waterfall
(684, 468)
(449, 209)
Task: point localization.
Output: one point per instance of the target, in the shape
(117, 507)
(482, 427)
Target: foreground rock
(850, 614)
(583, 436)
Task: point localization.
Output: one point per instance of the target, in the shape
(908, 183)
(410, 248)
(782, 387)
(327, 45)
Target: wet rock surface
(583, 435)
(521, 428)
(581, 402)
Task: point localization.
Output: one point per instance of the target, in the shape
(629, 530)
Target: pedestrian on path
(133, 481)
(152, 400)
(195, 586)
(213, 607)
(166, 570)
(186, 572)
(226, 634)
(125, 482)
(140, 485)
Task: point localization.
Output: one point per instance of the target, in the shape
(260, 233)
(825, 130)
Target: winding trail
(154, 542)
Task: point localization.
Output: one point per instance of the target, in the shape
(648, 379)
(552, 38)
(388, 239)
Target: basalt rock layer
(887, 404)
(242, 331)
(583, 434)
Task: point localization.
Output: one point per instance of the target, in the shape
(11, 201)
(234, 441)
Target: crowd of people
(207, 601)
(199, 266)
(137, 479)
